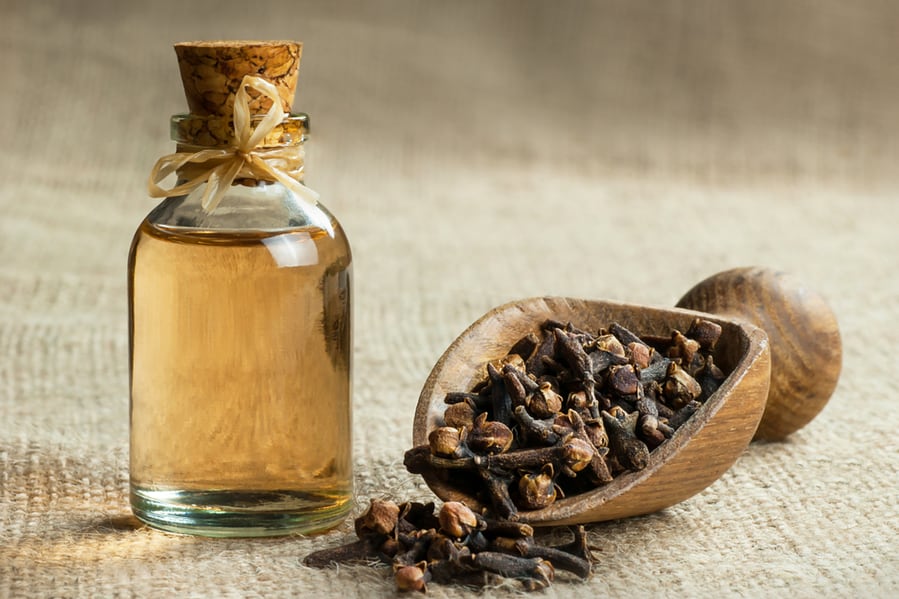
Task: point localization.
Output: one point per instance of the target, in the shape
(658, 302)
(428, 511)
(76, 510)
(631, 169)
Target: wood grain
(806, 349)
(698, 453)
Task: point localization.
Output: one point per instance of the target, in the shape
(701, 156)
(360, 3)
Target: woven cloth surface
(476, 153)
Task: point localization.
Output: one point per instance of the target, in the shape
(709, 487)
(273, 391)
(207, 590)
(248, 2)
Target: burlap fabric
(476, 152)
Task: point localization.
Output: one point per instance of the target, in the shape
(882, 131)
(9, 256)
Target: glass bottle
(240, 337)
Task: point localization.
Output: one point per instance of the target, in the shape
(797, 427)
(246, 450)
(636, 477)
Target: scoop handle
(806, 349)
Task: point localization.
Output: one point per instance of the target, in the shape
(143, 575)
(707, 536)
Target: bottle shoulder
(261, 207)
(187, 248)
(268, 214)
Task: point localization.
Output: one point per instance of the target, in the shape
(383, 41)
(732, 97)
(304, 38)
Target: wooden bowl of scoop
(780, 344)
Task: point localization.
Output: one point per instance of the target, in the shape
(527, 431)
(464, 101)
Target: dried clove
(489, 436)
(578, 360)
(446, 442)
(655, 372)
(680, 388)
(623, 380)
(534, 572)
(599, 468)
(537, 490)
(457, 520)
(497, 487)
(682, 415)
(570, 456)
(500, 399)
(683, 349)
(412, 578)
(639, 354)
(705, 332)
(505, 528)
(631, 452)
(584, 406)
(648, 423)
(416, 516)
(623, 335)
(538, 432)
(465, 548)
(416, 546)
(461, 415)
(364, 549)
(709, 377)
(478, 401)
(380, 518)
(547, 348)
(525, 346)
(559, 557)
(544, 402)
(514, 386)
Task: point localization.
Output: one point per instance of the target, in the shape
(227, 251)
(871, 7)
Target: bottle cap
(212, 72)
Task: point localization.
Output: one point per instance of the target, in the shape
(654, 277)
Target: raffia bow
(219, 167)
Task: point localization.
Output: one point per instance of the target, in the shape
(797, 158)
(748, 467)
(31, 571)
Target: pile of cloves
(454, 546)
(566, 411)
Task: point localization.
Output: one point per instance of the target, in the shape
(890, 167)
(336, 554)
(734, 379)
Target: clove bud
(537, 490)
(457, 520)
(544, 402)
(488, 436)
(680, 388)
(380, 518)
(412, 578)
(460, 415)
(446, 441)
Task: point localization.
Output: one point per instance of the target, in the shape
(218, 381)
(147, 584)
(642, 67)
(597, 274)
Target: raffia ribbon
(219, 167)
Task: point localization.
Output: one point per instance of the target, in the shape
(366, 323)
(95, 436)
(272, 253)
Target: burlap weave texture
(476, 152)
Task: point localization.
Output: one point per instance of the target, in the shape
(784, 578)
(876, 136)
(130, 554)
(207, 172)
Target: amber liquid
(240, 380)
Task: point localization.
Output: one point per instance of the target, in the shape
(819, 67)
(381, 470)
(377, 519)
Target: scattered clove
(461, 548)
(457, 519)
(412, 578)
(573, 557)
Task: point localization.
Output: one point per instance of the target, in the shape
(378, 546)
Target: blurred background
(710, 91)
(478, 152)
(436, 95)
(720, 91)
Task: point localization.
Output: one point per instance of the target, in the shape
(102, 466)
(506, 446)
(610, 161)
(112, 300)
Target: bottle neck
(218, 132)
(263, 149)
(288, 159)
(281, 148)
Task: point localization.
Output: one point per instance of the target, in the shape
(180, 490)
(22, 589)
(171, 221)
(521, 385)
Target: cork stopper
(212, 71)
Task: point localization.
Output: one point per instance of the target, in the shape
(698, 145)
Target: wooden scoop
(708, 444)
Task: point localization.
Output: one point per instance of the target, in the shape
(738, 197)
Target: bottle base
(226, 513)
